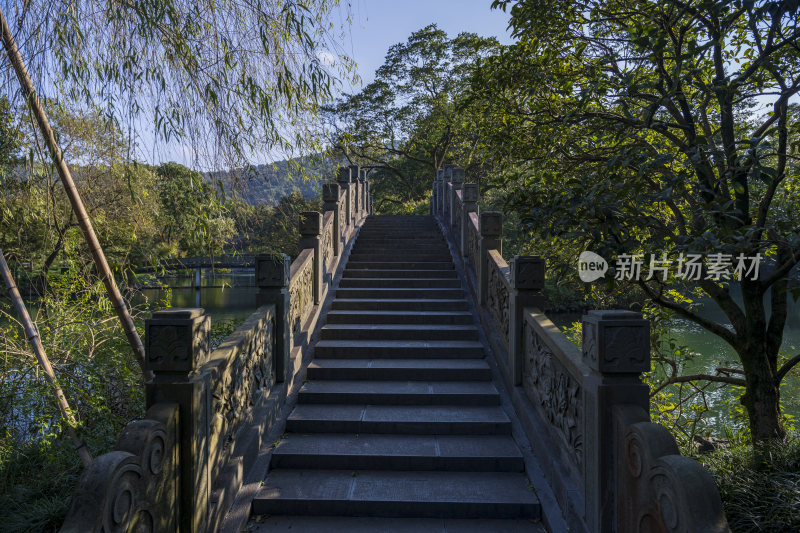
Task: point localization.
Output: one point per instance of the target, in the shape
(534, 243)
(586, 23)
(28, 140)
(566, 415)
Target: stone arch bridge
(399, 375)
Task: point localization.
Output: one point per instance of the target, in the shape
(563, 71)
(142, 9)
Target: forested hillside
(267, 184)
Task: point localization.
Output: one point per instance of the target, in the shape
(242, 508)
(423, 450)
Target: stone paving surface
(399, 417)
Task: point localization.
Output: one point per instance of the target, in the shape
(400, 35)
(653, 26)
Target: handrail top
(299, 264)
(502, 265)
(562, 348)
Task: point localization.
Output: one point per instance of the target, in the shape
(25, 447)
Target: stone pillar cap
(180, 313)
(614, 314)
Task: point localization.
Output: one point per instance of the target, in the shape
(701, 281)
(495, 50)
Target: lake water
(229, 296)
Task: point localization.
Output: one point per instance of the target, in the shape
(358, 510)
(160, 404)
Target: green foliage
(639, 128)
(227, 77)
(194, 221)
(414, 117)
(100, 378)
(758, 486)
(10, 138)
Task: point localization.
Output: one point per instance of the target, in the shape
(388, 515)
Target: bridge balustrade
(208, 411)
(584, 410)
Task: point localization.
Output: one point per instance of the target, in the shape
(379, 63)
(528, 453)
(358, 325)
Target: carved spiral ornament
(126, 507)
(633, 455)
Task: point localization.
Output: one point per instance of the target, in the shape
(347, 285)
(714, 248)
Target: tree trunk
(75, 200)
(762, 399)
(36, 342)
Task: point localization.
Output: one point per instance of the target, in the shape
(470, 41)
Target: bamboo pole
(72, 193)
(36, 343)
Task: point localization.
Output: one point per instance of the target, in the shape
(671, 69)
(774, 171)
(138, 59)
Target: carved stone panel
(327, 246)
(557, 394)
(246, 376)
(527, 272)
(458, 175)
(343, 175)
(272, 270)
(616, 342)
(457, 217)
(301, 297)
(473, 246)
(497, 300)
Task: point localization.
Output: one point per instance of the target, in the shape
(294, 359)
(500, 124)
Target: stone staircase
(399, 416)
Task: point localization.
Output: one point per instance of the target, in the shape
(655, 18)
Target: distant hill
(267, 184)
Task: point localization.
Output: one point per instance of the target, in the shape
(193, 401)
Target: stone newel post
(330, 202)
(447, 177)
(458, 183)
(354, 192)
(437, 192)
(272, 278)
(616, 348)
(368, 197)
(343, 177)
(310, 231)
(491, 228)
(470, 197)
(527, 282)
(362, 184)
(176, 346)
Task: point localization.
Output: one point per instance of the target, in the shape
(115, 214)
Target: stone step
(399, 317)
(396, 293)
(388, 273)
(385, 304)
(414, 244)
(379, 239)
(400, 283)
(365, 524)
(465, 453)
(397, 494)
(395, 250)
(400, 420)
(404, 265)
(399, 392)
(400, 369)
(405, 349)
(400, 255)
(405, 233)
(399, 252)
(396, 332)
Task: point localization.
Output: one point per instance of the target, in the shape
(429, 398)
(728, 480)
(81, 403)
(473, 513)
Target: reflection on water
(223, 296)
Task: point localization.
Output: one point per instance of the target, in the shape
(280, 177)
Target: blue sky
(379, 24)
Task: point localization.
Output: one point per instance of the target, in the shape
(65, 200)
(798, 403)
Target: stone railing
(585, 411)
(180, 468)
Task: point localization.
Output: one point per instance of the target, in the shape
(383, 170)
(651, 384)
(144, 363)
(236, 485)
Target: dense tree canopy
(413, 117)
(638, 127)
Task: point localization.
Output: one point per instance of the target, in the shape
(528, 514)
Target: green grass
(759, 489)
